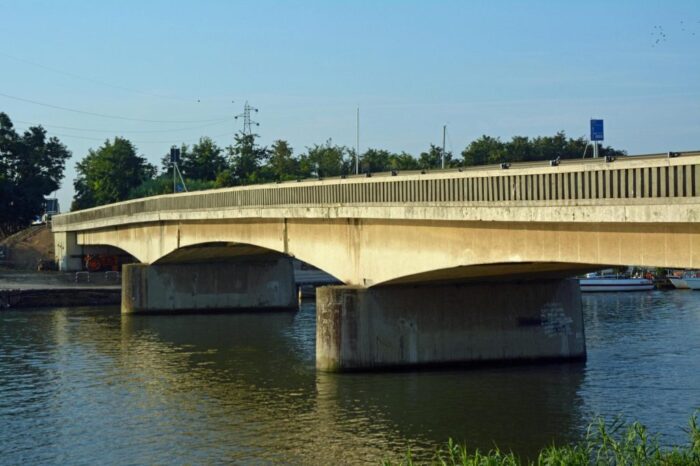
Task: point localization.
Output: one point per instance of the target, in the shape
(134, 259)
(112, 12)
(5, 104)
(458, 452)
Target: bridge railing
(571, 181)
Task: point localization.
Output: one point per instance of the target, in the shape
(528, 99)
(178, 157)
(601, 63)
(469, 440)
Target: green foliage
(433, 159)
(206, 165)
(108, 174)
(204, 162)
(283, 166)
(325, 160)
(603, 445)
(488, 150)
(246, 159)
(163, 184)
(31, 167)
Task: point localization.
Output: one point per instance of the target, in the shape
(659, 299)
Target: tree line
(31, 167)
(115, 172)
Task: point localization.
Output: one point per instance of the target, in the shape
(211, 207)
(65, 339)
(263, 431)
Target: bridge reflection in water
(263, 394)
(88, 385)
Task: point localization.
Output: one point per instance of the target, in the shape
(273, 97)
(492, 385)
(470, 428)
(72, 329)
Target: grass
(614, 444)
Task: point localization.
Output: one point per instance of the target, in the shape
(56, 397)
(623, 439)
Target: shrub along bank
(615, 444)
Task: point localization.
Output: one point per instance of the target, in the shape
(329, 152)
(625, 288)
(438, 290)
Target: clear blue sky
(496, 68)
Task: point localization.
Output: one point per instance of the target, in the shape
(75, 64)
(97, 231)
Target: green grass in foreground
(603, 445)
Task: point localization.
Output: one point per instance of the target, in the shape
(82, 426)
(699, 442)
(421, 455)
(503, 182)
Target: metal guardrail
(632, 177)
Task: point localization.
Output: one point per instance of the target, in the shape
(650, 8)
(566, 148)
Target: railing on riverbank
(565, 182)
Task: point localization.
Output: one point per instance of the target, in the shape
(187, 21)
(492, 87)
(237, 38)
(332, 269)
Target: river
(87, 385)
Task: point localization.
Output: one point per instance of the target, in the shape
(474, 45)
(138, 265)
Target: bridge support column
(67, 252)
(252, 284)
(374, 328)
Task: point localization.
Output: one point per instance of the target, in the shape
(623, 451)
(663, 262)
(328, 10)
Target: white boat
(594, 282)
(688, 280)
(679, 283)
(693, 282)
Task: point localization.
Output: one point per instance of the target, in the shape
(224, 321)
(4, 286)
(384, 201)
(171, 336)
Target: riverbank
(67, 297)
(51, 289)
(613, 444)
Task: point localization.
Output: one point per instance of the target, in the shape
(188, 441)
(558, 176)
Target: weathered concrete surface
(67, 251)
(364, 329)
(367, 252)
(549, 220)
(59, 297)
(255, 284)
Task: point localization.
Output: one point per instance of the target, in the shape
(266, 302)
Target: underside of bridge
(368, 252)
(416, 292)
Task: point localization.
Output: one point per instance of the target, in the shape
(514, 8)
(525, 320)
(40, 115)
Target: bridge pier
(244, 285)
(374, 328)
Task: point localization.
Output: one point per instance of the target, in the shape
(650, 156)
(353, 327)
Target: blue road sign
(597, 130)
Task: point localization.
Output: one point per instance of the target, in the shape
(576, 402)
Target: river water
(86, 386)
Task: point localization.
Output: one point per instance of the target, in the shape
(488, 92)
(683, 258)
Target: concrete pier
(68, 253)
(250, 284)
(374, 328)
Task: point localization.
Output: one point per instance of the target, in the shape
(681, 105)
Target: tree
(31, 167)
(375, 160)
(108, 174)
(433, 158)
(283, 165)
(203, 162)
(483, 151)
(489, 150)
(163, 184)
(325, 160)
(246, 159)
(403, 161)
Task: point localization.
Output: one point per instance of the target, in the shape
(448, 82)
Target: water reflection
(76, 385)
(244, 360)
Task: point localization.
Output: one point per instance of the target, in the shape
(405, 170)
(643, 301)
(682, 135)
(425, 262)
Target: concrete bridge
(439, 267)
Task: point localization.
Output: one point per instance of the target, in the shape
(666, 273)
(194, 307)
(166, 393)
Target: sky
(168, 72)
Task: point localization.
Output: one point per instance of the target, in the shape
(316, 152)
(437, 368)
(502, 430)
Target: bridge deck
(623, 184)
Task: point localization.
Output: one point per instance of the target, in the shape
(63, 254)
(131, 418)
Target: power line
(113, 117)
(92, 80)
(87, 138)
(112, 131)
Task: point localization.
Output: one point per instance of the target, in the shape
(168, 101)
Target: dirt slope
(26, 248)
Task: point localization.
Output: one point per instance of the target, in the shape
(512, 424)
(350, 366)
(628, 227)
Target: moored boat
(685, 280)
(607, 283)
(679, 283)
(693, 283)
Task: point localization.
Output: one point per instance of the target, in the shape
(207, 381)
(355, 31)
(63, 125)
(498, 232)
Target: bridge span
(442, 245)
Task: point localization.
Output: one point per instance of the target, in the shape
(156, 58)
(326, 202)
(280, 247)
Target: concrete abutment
(244, 285)
(403, 326)
(67, 252)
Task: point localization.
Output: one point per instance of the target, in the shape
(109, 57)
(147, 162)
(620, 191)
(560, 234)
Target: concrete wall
(362, 329)
(67, 252)
(255, 284)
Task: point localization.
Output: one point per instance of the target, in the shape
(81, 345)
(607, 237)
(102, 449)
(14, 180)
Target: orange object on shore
(98, 262)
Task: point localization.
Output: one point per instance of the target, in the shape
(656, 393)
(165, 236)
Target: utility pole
(357, 145)
(444, 130)
(175, 159)
(247, 122)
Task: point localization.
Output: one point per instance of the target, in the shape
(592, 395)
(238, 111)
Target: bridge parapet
(627, 182)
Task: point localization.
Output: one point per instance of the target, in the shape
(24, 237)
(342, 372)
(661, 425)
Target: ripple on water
(84, 385)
